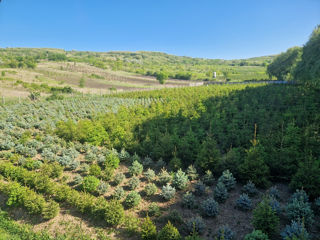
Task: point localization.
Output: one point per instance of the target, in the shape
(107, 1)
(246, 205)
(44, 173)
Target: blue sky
(199, 28)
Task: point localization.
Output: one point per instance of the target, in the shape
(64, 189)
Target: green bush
(188, 200)
(256, 235)
(148, 230)
(95, 170)
(265, 219)
(136, 168)
(208, 178)
(150, 175)
(294, 231)
(168, 192)
(154, 210)
(227, 179)
(209, 208)
(134, 182)
(50, 210)
(132, 200)
(195, 224)
(113, 213)
(164, 177)
(103, 187)
(192, 173)
(250, 189)
(199, 189)
(90, 184)
(180, 180)
(169, 232)
(225, 233)
(220, 193)
(150, 189)
(244, 203)
(118, 193)
(112, 160)
(118, 178)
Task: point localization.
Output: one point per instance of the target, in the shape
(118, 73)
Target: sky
(227, 29)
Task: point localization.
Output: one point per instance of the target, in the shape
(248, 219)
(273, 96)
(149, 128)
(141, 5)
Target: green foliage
(150, 189)
(299, 209)
(227, 179)
(256, 235)
(192, 173)
(103, 187)
(209, 208)
(295, 230)
(53, 170)
(50, 210)
(95, 170)
(118, 193)
(244, 203)
(308, 177)
(175, 163)
(220, 193)
(112, 160)
(118, 178)
(195, 224)
(82, 82)
(134, 182)
(161, 77)
(150, 175)
(164, 177)
(208, 178)
(307, 70)
(169, 232)
(265, 219)
(284, 64)
(132, 200)
(188, 200)
(154, 210)
(199, 189)
(113, 213)
(209, 155)
(225, 233)
(250, 189)
(90, 184)
(136, 168)
(168, 192)
(180, 180)
(148, 230)
(254, 168)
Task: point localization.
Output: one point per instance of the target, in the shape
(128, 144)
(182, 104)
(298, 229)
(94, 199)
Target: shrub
(102, 187)
(220, 193)
(209, 208)
(107, 174)
(148, 229)
(90, 157)
(136, 168)
(208, 178)
(95, 170)
(84, 168)
(150, 189)
(300, 210)
(256, 235)
(264, 218)
(199, 189)
(135, 157)
(132, 200)
(112, 160)
(180, 180)
(175, 164)
(295, 230)
(164, 177)
(50, 210)
(131, 225)
(124, 155)
(147, 162)
(188, 200)
(74, 165)
(133, 183)
(78, 179)
(244, 203)
(118, 193)
(168, 192)
(300, 195)
(53, 170)
(192, 173)
(227, 179)
(275, 205)
(195, 224)
(153, 210)
(250, 189)
(225, 233)
(169, 232)
(149, 174)
(118, 178)
(113, 213)
(274, 192)
(90, 184)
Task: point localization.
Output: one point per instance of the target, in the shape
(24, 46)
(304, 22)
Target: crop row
(112, 212)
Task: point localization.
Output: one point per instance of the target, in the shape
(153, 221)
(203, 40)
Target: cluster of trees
(299, 64)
